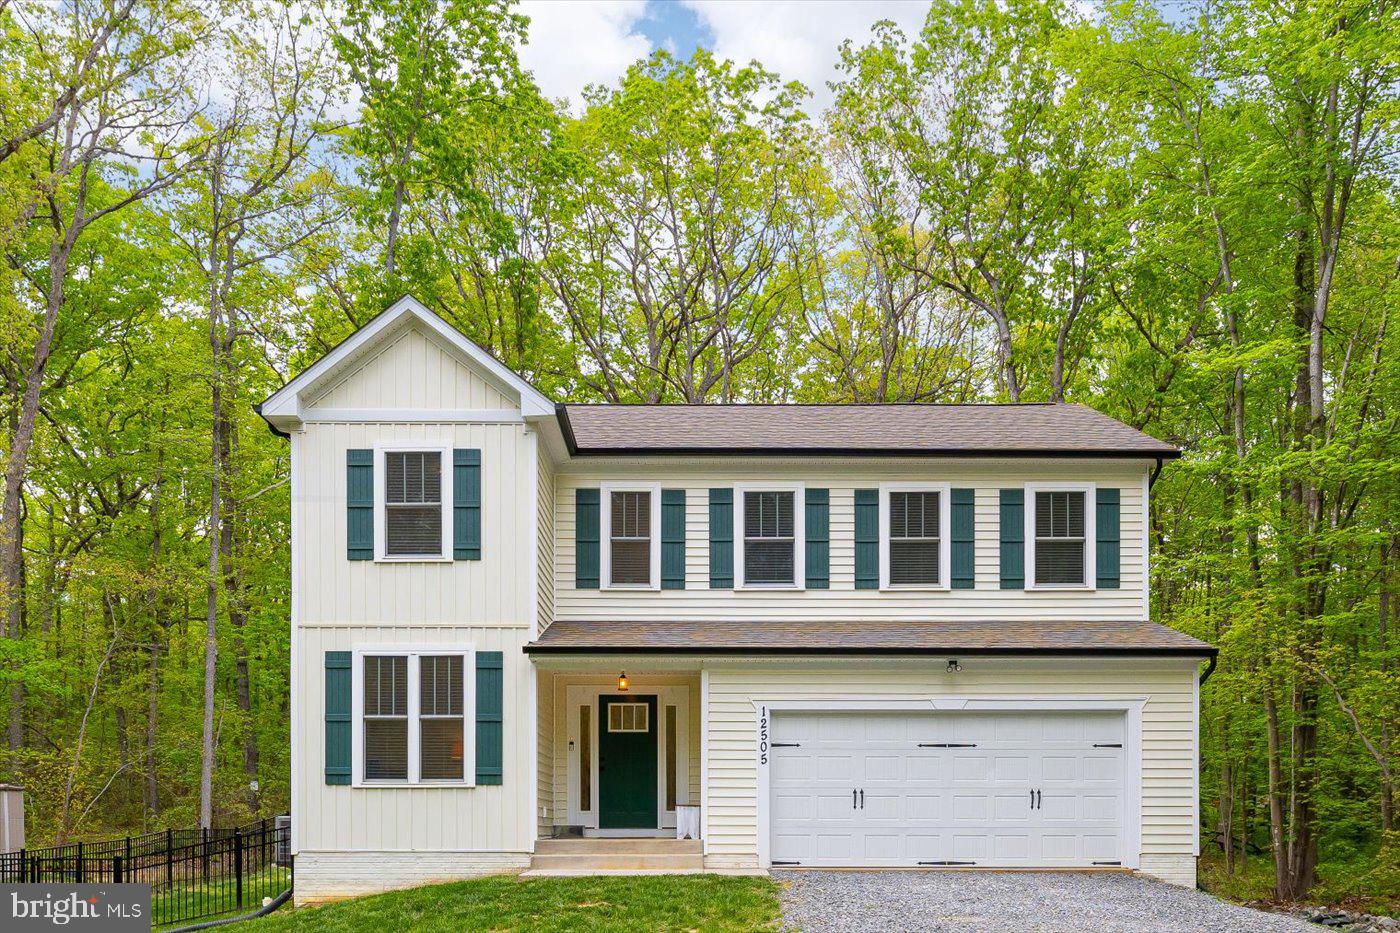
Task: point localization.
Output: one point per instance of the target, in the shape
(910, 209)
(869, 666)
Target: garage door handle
(862, 798)
(947, 744)
(853, 798)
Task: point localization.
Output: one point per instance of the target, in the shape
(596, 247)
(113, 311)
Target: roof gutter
(566, 427)
(1159, 457)
(257, 407)
(1208, 651)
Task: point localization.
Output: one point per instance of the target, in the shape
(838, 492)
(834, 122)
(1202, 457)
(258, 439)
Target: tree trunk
(1276, 827)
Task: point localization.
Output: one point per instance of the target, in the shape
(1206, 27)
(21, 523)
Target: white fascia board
(283, 407)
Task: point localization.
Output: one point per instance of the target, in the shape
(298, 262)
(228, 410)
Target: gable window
(412, 710)
(413, 504)
(1061, 535)
(914, 538)
(772, 536)
(632, 558)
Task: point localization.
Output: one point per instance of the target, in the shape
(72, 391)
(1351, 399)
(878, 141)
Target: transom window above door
(632, 556)
(1061, 537)
(770, 524)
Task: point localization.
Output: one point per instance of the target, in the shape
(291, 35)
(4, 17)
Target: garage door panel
(924, 805)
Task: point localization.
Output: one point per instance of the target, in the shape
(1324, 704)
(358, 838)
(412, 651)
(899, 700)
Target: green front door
(627, 762)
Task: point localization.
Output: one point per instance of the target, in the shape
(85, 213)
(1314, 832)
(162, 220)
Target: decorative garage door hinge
(776, 862)
(1108, 863)
(947, 744)
(1108, 744)
(785, 745)
(947, 863)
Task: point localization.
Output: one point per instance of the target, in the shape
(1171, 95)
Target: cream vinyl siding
(423, 818)
(843, 600)
(495, 590)
(545, 780)
(415, 371)
(1168, 731)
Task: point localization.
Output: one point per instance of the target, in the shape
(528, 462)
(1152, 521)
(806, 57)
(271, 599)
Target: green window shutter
(817, 522)
(721, 539)
(466, 505)
(489, 720)
(963, 539)
(586, 532)
(1013, 539)
(867, 539)
(338, 717)
(673, 539)
(359, 504)
(1107, 537)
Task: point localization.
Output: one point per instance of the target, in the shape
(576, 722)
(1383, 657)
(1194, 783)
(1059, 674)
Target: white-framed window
(413, 502)
(1060, 535)
(914, 536)
(631, 531)
(413, 711)
(768, 534)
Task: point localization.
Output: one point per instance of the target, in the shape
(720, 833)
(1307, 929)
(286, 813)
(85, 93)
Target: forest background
(1190, 224)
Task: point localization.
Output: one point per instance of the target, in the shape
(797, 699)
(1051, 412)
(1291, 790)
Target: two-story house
(866, 635)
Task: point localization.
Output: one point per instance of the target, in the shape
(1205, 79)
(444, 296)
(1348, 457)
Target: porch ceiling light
(622, 682)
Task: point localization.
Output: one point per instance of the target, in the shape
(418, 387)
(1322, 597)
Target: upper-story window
(914, 536)
(1061, 535)
(412, 717)
(771, 523)
(632, 555)
(413, 503)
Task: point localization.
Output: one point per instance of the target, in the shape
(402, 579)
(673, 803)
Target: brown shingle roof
(1043, 429)
(866, 637)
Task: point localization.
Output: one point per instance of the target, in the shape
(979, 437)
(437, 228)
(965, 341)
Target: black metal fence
(193, 874)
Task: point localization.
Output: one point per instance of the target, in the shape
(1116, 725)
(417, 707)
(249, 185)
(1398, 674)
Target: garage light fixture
(622, 682)
(953, 666)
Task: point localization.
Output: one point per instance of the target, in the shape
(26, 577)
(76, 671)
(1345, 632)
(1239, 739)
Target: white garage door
(1034, 789)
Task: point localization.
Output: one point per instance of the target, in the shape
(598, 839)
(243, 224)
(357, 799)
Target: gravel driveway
(1016, 902)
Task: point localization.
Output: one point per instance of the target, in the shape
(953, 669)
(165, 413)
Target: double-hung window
(1061, 535)
(413, 503)
(914, 536)
(632, 557)
(412, 711)
(771, 525)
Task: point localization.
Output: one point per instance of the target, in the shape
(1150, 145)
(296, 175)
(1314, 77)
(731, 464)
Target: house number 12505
(763, 735)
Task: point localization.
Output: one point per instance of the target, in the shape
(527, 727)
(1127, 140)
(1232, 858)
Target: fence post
(117, 869)
(127, 853)
(204, 854)
(23, 864)
(169, 856)
(79, 873)
(238, 865)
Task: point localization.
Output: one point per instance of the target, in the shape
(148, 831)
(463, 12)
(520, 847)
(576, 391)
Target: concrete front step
(618, 847)
(585, 872)
(621, 861)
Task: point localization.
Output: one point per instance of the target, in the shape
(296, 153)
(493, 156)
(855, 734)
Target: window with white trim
(629, 538)
(1061, 541)
(413, 712)
(913, 546)
(413, 504)
(770, 537)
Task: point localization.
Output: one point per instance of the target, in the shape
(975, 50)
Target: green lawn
(642, 903)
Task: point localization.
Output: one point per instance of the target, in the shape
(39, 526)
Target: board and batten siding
(489, 818)
(491, 590)
(414, 372)
(842, 600)
(1168, 733)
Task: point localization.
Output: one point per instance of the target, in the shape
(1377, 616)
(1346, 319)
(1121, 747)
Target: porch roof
(810, 637)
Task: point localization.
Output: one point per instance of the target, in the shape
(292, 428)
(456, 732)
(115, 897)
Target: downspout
(1156, 472)
(1210, 669)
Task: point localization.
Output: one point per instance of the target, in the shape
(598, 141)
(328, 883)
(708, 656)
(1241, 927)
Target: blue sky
(574, 43)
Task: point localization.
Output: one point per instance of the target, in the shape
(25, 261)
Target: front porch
(617, 760)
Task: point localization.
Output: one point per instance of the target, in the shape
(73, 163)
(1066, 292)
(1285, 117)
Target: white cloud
(798, 39)
(574, 43)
